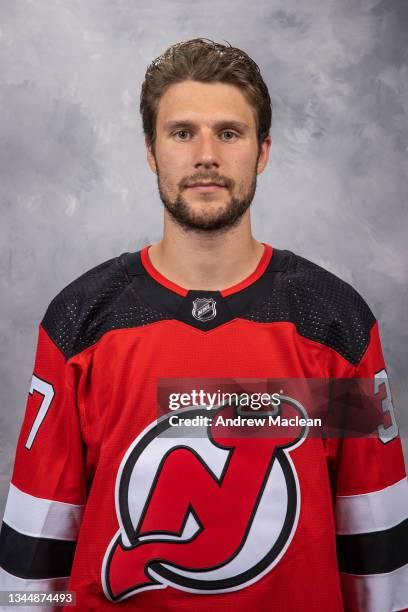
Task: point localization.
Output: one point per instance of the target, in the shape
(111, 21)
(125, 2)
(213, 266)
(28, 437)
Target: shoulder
(322, 289)
(76, 313)
(324, 307)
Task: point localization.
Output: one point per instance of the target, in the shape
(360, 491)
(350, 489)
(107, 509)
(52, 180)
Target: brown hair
(203, 61)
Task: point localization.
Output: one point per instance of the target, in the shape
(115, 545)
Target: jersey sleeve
(47, 492)
(371, 503)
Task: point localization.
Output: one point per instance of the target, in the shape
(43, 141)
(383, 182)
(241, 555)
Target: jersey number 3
(386, 434)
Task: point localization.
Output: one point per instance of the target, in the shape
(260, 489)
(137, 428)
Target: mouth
(205, 186)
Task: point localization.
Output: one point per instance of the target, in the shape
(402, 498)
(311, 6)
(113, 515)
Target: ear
(150, 155)
(264, 155)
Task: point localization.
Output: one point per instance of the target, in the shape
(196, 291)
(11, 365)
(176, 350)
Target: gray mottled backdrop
(75, 188)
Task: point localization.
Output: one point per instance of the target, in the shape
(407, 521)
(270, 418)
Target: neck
(209, 261)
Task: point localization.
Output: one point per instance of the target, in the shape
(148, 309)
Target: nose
(206, 152)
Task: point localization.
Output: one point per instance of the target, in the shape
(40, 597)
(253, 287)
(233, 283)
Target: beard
(221, 219)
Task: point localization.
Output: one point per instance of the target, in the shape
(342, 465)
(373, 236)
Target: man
(163, 510)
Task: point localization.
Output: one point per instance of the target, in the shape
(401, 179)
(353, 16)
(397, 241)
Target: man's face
(206, 133)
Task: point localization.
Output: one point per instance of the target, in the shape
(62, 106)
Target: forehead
(206, 102)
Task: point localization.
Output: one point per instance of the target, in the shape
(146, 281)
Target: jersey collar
(246, 282)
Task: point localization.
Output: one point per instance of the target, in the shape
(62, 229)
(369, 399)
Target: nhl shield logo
(204, 309)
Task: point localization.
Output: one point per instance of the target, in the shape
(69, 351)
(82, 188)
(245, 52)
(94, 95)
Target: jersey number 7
(47, 391)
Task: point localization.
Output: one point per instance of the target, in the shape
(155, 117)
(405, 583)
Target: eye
(183, 133)
(231, 135)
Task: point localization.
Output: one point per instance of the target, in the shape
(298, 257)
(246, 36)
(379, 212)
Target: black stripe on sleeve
(29, 557)
(373, 553)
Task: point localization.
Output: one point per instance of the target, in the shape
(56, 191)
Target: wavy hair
(201, 59)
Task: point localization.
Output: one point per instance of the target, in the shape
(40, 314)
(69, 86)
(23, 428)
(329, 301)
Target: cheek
(243, 167)
(243, 161)
(172, 167)
(171, 156)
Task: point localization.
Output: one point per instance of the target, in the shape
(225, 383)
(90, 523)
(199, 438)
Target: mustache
(207, 178)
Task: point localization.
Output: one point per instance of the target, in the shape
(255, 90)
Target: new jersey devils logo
(204, 512)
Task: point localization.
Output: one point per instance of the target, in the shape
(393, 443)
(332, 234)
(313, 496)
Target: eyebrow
(218, 125)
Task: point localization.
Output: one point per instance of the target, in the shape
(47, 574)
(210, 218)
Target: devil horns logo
(202, 512)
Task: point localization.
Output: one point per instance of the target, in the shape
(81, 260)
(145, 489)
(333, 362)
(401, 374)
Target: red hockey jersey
(106, 501)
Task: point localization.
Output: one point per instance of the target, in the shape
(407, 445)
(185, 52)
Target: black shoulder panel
(323, 307)
(98, 301)
(120, 294)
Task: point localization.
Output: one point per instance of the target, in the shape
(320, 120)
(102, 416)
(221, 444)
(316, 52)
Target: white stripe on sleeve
(374, 511)
(42, 518)
(376, 592)
(14, 583)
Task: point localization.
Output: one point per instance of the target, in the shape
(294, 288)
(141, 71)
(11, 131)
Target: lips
(206, 185)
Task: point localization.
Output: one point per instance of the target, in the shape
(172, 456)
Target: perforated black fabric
(100, 300)
(323, 307)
